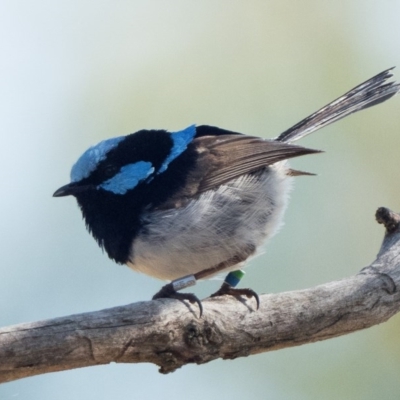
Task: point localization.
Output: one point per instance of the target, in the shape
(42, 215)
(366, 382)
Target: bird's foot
(170, 291)
(228, 287)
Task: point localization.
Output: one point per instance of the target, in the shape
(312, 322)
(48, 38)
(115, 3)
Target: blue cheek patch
(181, 141)
(89, 160)
(128, 177)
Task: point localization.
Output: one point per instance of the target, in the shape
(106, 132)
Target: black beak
(70, 189)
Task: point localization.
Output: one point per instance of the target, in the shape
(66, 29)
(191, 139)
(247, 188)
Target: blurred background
(77, 72)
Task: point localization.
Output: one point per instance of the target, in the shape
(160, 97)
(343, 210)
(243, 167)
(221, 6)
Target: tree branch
(169, 333)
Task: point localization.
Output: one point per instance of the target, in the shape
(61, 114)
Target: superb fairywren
(186, 205)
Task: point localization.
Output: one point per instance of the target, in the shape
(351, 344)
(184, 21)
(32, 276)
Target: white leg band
(183, 282)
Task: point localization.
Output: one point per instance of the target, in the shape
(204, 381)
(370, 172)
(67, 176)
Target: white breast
(214, 228)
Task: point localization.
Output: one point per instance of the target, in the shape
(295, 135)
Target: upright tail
(373, 91)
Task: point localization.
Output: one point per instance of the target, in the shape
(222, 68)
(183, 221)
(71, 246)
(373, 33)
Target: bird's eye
(109, 170)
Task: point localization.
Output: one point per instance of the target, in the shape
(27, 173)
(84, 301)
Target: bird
(187, 205)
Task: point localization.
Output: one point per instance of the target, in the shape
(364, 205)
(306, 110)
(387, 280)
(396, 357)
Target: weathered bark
(169, 333)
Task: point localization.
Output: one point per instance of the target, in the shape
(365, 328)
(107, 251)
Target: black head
(116, 180)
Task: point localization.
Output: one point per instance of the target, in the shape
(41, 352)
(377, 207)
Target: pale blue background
(76, 72)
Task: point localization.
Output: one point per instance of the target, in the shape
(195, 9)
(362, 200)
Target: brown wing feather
(230, 156)
(223, 158)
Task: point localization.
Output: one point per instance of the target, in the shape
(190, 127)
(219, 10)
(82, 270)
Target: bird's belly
(213, 228)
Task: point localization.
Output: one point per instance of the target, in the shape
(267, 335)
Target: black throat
(115, 220)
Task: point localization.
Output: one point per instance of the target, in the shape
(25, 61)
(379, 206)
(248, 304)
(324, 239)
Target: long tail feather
(373, 91)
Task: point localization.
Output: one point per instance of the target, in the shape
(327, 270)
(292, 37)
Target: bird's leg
(170, 291)
(228, 287)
